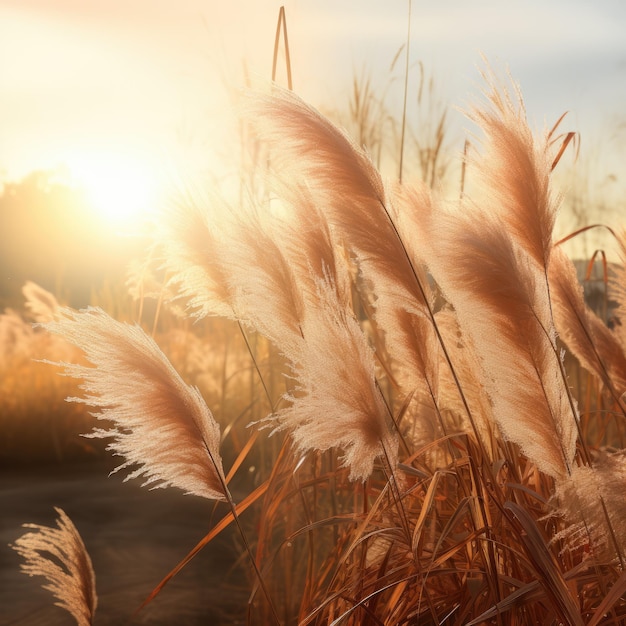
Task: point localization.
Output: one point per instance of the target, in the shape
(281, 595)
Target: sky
(130, 89)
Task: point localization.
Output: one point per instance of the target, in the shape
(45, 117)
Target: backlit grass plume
(597, 348)
(340, 179)
(337, 402)
(226, 263)
(160, 423)
(59, 555)
(520, 164)
(502, 304)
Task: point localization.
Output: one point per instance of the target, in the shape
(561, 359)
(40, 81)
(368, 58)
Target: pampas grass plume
(69, 572)
(337, 402)
(161, 423)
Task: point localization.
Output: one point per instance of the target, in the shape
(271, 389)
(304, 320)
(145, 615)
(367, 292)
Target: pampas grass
(337, 402)
(59, 555)
(134, 386)
(427, 459)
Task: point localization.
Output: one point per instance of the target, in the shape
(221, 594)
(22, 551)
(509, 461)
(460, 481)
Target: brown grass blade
(548, 572)
(216, 530)
(615, 594)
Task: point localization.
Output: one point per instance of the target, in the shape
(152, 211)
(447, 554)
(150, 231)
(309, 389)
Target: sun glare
(120, 189)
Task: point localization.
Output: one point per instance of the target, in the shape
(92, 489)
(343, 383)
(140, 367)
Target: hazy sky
(134, 78)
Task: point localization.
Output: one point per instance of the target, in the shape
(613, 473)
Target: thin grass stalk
(218, 528)
(405, 95)
(257, 571)
(390, 475)
(310, 520)
(440, 339)
(466, 145)
(282, 27)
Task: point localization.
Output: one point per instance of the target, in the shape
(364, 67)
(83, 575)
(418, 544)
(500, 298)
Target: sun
(121, 189)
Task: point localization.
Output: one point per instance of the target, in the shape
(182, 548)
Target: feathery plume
(266, 294)
(578, 499)
(467, 365)
(502, 305)
(193, 253)
(341, 180)
(591, 341)
(618, 291)
(337, 402)
(305, 237)
(69, 572)
(161, 423)
(41, 304)
(491, 260)
(227, 264)
(514, 171)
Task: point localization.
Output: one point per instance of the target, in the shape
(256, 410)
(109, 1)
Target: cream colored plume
(490, 258)
(587, 498)
(340, 180)
(160, 423)
(513, 171)
(597, 348)
(59, 555)
(501, 301)
(227, 263)
(306, 241)
(337, 402)
(41, 304)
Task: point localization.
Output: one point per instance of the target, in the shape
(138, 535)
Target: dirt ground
(134, 536)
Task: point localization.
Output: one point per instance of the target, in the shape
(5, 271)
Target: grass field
(364, 382)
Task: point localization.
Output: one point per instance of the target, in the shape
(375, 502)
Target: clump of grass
(37, 424)
(430, 463)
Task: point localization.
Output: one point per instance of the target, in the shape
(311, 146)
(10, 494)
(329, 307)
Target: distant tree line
(49, 235)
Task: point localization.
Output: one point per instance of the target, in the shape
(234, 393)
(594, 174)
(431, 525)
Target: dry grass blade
(69, 572)
(615, 594)
(282, 27)
(569, 137)
(529, 592)
(548, 572)
(427, 503)
(218, 528)
(161, 423)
